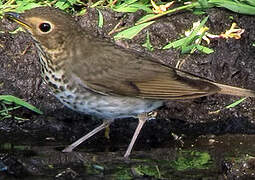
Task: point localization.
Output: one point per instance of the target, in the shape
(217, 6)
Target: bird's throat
(53, 74)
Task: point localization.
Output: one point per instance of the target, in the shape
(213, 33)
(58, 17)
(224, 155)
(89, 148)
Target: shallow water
(205, 157)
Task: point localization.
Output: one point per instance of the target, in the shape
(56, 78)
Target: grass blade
(20, 102)
(131, 32)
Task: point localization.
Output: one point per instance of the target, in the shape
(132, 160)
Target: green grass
(188, 44)
(147, 43)
(22, 5)
(232, 105)
(197, 6)
(10, 103)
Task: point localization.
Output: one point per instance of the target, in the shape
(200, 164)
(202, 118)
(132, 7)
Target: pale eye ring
(45, 27)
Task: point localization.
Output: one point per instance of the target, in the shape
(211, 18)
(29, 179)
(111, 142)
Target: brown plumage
(104, 80)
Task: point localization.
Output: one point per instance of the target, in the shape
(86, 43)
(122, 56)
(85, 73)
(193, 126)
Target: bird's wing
(110, 70)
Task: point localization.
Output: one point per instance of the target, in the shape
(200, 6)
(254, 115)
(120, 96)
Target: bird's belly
(107, 107)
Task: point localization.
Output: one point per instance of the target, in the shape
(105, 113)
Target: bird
(98, 78)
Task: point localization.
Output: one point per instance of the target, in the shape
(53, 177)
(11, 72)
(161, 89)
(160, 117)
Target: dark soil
(31, 149)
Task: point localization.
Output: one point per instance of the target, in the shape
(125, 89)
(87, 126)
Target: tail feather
(235, 91)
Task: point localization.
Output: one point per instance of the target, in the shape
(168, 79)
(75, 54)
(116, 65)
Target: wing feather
(107, 69)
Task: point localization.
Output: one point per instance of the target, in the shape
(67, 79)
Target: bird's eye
(45, 27)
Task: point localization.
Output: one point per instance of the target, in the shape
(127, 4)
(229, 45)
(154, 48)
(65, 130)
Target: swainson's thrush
(98, 78)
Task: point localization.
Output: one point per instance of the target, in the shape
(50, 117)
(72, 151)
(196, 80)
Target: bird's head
(49, 26)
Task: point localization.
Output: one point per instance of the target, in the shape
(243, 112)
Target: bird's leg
(142, 119)
(107, 132)
(105, 124)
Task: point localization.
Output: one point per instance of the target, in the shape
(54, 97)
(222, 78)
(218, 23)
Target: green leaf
(131, 32)
(140, 6)
(193, 35)
(204, 49)
(124, 7)
(147, 43)
(188, 48)
(72, 2)
(237, 7)
(187, 44)
(175, 44)
(127, 2)
(60, 4)
(250, 2)
(18, 101)
(100, 19)
(23, 6)
(235, 103)
(132, 6)
(204, 4)
(148, 16)
(63, 4)
(198, 12)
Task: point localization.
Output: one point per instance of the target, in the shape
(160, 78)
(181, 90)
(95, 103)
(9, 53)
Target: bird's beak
(16, 17)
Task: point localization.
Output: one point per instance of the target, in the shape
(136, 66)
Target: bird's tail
(235, 91)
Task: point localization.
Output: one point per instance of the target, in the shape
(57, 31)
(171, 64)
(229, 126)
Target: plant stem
(189, 6)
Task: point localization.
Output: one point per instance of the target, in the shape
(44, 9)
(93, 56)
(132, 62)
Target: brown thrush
(100, 79)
